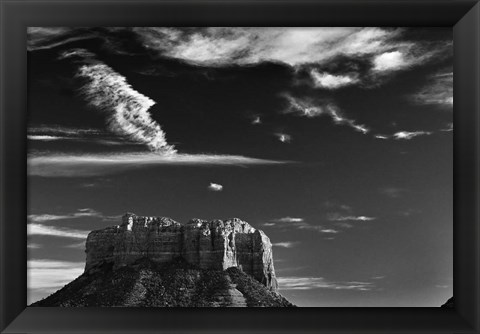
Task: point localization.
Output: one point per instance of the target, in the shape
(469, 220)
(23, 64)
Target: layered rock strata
(217, 244)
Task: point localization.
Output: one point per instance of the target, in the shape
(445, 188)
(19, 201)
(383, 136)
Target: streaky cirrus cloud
(47, 276)
(54, 231)
(39, 38)
(309, 283)
(126, 109)
(81, 165)
(81, 213)
(288, 220)
(286, 223)
(407, 135)
(215, 187)
(339, 218)
(286, 244)
(438, 90)
(306, 107)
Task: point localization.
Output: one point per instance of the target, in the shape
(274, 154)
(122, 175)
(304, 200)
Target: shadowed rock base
(176, 284)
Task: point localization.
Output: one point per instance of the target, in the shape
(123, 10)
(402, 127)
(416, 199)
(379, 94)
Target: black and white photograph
(240, 166)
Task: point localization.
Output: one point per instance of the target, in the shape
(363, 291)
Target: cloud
(329, 230)
(82, 213)
(407, 135)
(246, 46)
(39, 38)
(45, 138)
(286, 244)
(126, 109)
(283, 137)
(215, 187)
(330, 81)
(80, 165)
(33, 246)
(53, 231)
(438, 91)
(408, 54)
(449, 128)
(338, 217)
(257, 120)
(298, 223)
(61, 131)
(388, 61)
(308, 108)
(309, 283)
(48, 134)
(381, 137)
(47, 276)
(288, 220)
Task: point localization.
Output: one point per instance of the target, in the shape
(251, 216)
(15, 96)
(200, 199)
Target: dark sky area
(336, 142)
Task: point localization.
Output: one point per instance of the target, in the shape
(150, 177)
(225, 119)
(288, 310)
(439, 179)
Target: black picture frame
(16, 15)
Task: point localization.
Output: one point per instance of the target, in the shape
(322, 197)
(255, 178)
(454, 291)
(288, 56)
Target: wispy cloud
(339, 218)
(292, 46)
(309, 283)
(331, 81)
(53, 231)
(286, 244)
(298, 223)
(438, 91)
(306, 107)
(81, 213)
(49, 37)
(287, 220)
(407, 135)
(47, 276)
(79, 165)
(215, 187)
(126, 109)
(448, 128)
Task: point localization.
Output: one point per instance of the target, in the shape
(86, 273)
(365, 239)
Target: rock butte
(216, 244)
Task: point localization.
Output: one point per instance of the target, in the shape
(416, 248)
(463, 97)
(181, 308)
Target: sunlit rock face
(217, 244)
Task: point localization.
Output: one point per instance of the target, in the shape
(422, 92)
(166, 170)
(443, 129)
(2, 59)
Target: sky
(335, 141)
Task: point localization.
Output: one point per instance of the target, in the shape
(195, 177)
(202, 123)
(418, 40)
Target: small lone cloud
(257, 120)
(283, 137)
(215, 187)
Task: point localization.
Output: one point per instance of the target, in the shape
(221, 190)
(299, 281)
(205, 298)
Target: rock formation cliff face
(217, 245)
